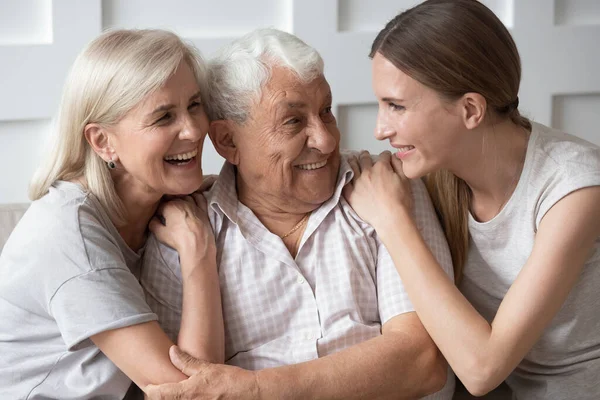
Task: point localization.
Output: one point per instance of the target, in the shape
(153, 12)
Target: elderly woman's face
(289, 147)
(159, 142)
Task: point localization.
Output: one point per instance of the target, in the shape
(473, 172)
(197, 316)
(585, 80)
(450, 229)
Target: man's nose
(323, 138)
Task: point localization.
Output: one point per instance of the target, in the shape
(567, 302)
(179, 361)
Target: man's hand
(206, 381)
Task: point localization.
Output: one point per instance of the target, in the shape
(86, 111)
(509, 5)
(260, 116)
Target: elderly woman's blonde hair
(113, 74)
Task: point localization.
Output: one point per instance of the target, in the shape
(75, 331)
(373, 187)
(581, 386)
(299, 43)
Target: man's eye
(292, 121)
(194, 106)
(327, 110)
(395, 107)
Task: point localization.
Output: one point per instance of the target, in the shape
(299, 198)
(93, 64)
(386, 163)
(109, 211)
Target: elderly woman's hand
(378, 191)
(185, 227)
(206, 381)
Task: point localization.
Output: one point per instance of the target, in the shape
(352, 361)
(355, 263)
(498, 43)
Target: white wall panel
(578, 113)
(197, 19)
(577, 12)
(39, 39)
(25, 22)
(22, 145)
(357, 126)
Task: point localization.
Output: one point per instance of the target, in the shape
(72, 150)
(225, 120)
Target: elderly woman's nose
(322, 139)
(191, 129)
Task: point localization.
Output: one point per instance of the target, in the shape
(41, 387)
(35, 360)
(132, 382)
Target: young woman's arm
(142, 351)
(481, 355)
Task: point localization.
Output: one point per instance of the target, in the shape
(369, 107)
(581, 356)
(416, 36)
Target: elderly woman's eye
(165, 118)
(194, 106)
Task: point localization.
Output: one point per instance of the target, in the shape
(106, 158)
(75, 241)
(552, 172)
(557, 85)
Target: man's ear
(473, 109)
(222, 135)
(97, 137)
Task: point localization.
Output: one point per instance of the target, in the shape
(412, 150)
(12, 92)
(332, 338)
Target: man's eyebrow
(296, 104)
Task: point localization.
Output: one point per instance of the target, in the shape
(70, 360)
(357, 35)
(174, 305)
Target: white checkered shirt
(338, 290)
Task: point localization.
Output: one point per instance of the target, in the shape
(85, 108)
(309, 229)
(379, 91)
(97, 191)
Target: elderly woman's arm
(141, 351)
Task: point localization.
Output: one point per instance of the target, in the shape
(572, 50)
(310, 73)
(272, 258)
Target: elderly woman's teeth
(313, 165)
(182, 157)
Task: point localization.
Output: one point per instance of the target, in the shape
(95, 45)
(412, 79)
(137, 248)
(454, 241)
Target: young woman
(519, 202)
(75, 323)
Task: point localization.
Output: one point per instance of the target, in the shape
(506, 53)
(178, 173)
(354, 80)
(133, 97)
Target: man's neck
(278, 215)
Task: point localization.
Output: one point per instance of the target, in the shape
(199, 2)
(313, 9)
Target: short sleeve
(98, 301)
(391, 294)
(561, 185)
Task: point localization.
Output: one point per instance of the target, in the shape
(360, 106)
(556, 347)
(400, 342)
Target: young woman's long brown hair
(455, 47)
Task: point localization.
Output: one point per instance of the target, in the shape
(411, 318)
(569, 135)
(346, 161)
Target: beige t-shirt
(565, 362)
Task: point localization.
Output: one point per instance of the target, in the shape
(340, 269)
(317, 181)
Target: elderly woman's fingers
(199, 200)
(207, 182)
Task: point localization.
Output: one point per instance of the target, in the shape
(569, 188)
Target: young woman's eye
(395, 107)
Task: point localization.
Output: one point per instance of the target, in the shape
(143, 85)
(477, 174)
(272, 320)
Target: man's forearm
(390, 366)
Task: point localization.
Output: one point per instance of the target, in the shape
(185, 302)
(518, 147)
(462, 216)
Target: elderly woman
(75, 323)
(312, 304)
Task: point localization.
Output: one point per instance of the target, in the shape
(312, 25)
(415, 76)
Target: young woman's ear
(97, 137)
(473, 109)
(222, 135)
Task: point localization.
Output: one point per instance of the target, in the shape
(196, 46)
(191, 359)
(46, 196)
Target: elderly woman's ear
(98, 139)
(222, 135)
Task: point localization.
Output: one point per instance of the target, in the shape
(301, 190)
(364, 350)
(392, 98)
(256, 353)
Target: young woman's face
(424, 129)
(159, 142)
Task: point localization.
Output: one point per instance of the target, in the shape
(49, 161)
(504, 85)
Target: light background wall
(559, 41)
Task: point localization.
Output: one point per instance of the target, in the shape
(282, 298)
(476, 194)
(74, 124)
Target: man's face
(289, 146)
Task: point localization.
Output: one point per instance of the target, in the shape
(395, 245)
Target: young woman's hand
(379, 191)
(183, 224)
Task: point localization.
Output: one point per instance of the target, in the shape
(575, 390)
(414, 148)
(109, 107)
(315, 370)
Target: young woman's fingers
(397, 165)
(353, 162)
(365, 160)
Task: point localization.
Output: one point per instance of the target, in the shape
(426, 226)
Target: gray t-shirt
(565, 362)
(65, 275)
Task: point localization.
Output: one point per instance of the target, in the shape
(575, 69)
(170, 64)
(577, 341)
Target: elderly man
(312, 304)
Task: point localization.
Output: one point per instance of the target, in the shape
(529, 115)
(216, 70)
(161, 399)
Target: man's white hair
(237, 74)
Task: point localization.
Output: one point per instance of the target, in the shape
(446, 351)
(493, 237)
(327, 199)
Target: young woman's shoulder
(560, 164)
(568, 153)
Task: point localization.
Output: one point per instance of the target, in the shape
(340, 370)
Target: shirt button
(308, 336)
(301, 279)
